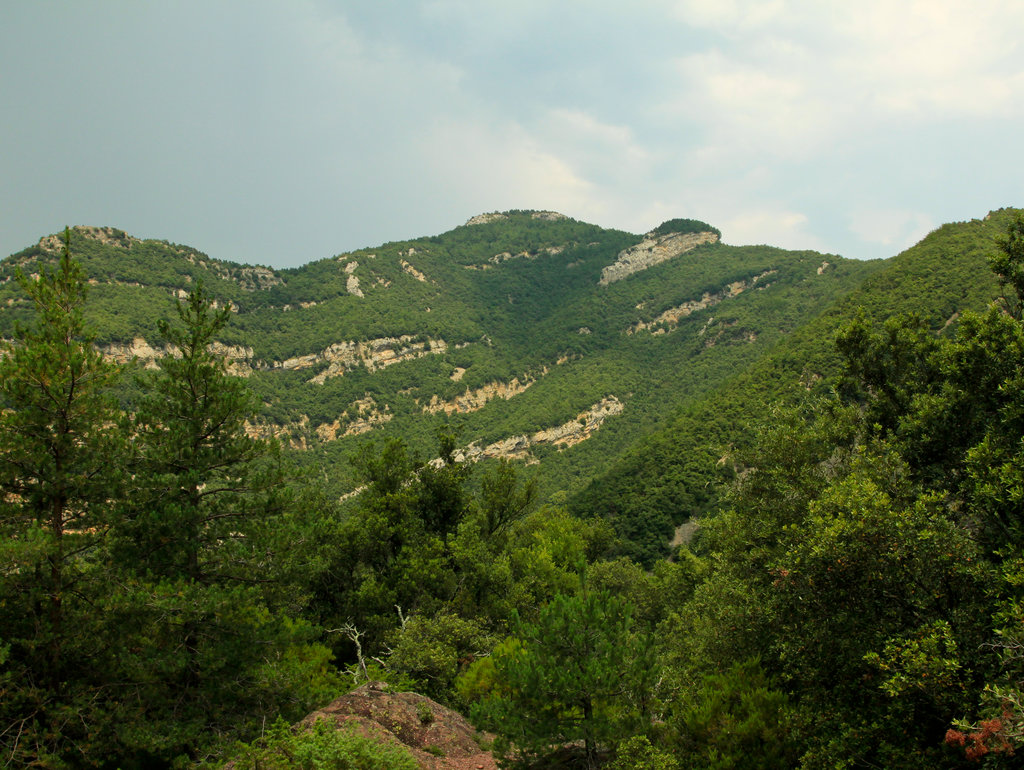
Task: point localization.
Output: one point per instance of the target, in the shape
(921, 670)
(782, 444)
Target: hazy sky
(279, 132)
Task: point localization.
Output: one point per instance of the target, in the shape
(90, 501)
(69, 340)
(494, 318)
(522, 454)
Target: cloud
(730, 15)
(747, 110)
(790, 77)
(487, 166)
(892, 228)
(281, 132)
(771, 226)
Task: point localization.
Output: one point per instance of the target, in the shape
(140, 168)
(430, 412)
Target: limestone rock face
(413, 271)
(548, 216)
(138, 348)
(238, 357)
(573, 432)
(340, 357)
(474, 400)
(373, 354)
(483, 219)
(362, 416)
(651, 251)
(671, 317)
(562, 436)
(291, 434)
(497, 216)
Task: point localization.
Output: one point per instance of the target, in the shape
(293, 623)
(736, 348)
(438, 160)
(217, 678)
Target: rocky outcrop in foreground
(438, 738)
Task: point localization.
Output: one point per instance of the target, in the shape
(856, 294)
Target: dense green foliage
(843, 441)
(513, 298)
(870, 558)
(322, 747)
(676, 472)
(117, 594)
(57, 444)
(685, 226)
(577, 674)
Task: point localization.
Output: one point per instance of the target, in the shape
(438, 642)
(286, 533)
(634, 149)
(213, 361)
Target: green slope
(508, 313)
(676, 472)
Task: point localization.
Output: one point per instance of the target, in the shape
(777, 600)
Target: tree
(738, 720)
(578, 674)
(1008, 265)
(60, 443)
(196, 551)
(205, 485)
(873, 554)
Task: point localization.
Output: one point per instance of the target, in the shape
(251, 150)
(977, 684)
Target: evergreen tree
(59, 469)
(197, 554)
(580, 674)
(204, 487)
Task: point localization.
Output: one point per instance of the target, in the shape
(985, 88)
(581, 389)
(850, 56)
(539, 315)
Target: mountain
(676, 472)
(621, 367)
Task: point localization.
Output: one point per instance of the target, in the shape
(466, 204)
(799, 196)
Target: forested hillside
(456, 464)
(678, 471)
(528, 335)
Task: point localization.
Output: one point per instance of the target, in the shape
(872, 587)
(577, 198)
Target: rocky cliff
(653, 250)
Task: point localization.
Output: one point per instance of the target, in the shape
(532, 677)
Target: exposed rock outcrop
(352, 282)
(238, 358)
(108, 236)
(291, 434)
(653, 250)
(249, 277)
(437, 737)
(671, 317)
(505, 256)
(497, 216)
(340, 357)
(138, 348)
(563, 436)
(484, 219)
(573, 432)
(474, 400)
(361, 417)
(412, 270)
(373, 354)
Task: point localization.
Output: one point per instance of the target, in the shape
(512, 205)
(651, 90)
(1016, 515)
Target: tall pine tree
(59, 447)
(196, 553)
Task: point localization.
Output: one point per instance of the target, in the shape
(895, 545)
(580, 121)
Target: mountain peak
(109, 236)
(495, 216)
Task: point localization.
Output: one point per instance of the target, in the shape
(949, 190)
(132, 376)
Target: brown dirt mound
(439, 738)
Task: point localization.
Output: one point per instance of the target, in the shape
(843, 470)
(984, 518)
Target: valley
(625, 501)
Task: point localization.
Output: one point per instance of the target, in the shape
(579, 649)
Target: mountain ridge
(500, 330)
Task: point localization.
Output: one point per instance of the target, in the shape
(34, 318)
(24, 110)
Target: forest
(176, 590)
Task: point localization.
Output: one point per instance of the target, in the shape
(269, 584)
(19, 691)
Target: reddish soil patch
(439, 738)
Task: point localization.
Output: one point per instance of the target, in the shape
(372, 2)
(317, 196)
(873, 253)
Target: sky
(280, 132)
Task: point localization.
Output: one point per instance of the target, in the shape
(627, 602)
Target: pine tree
(195, 549)
(201, 486)
(59, 470)
(578, 676)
